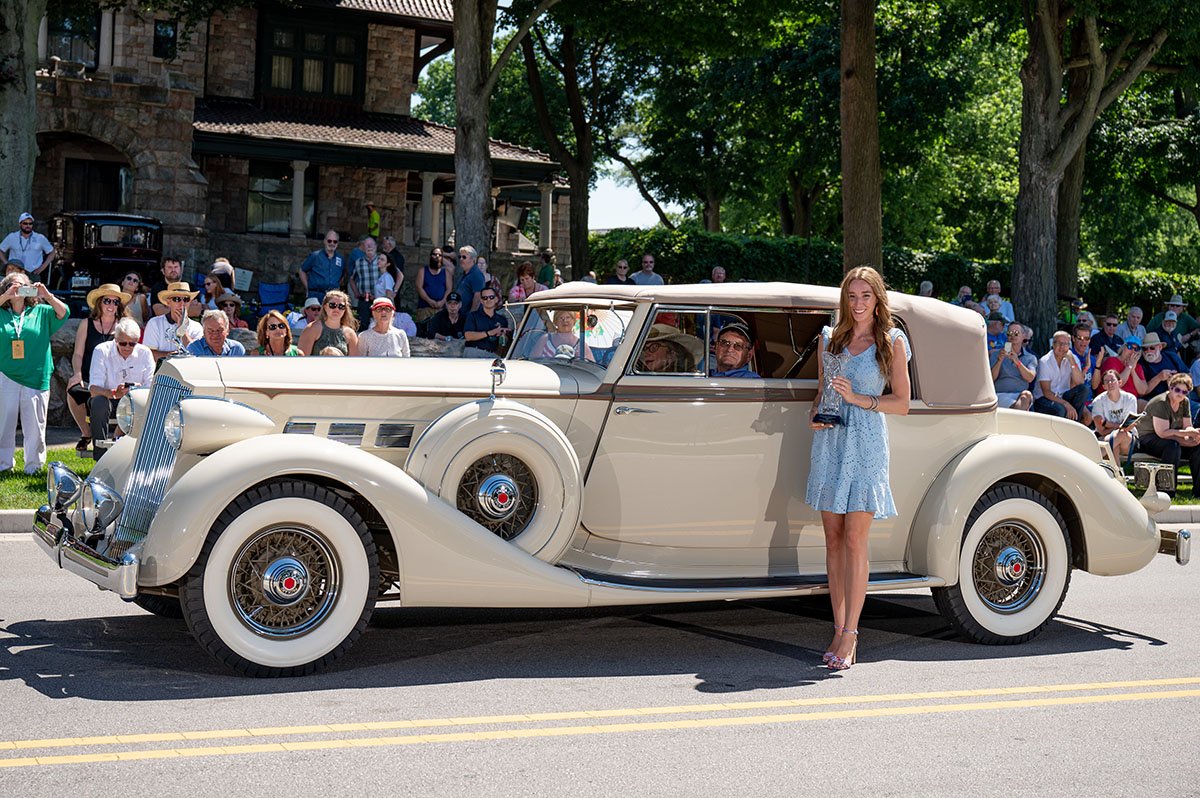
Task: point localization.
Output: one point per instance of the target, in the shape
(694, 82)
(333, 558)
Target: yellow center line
(611, 728)
(482, 720)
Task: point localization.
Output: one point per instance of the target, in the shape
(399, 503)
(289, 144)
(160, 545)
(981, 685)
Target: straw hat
(177, 289)
(108, 289)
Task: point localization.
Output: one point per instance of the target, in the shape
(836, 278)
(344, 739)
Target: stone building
(253, 134)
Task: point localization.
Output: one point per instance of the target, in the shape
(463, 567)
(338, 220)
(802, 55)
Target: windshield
(580, 332)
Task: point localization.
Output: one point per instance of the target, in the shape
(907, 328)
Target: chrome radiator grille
(152, 465)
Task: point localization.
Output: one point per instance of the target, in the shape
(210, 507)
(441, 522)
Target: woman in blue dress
(848, 478)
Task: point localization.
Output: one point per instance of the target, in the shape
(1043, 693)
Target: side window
(781, 344)
(676, 343)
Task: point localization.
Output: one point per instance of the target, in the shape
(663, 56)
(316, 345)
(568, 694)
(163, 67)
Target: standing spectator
(382, 339)
(434, 283)
(1110, 410)
(1059, 378)
(26, 324)
(964, 296)
(215, 341)
(487, 328)
(117, 366)
(1129, 368)
(1166, 430)
(1187, 328)
(1106, 338)
(1013, 370)
(717, 275)
(488, 278)
(996, 336)
(307, 315)
(545, 274)
(590, 277)
(172, 272)
(1132, 326)
(29, 248)
(275, 336)
(172, 333)
(993, 290)
(1168, 330)
(334, 329)
(107, 306)
(620, 275)
(472, 280)
(1158, 364)
(646, 275)
(372, 220)
(1077, 306)
(323, 270)
(925, 289)
(395, 256)
(364, 271)
(525, 286)
(449, 322)
(231, 305)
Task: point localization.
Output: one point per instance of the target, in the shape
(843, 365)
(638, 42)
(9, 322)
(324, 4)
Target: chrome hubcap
(498, 492)
(498, 496)
(284, 581)
(1009, 567)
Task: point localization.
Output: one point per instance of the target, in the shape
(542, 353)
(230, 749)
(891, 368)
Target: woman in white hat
(107, 304)
(669, 350)
(170, 333)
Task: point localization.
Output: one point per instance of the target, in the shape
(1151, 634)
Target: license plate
(81, 282)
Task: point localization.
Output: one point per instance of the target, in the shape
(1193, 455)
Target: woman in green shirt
(26, 324)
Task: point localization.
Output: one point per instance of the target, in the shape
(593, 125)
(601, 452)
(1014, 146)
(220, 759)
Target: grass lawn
(21, 491)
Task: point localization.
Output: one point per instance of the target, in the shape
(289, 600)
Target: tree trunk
(474, 27)
(787, 222)
(19, 21)
(803, 199)
(1070, 211)
(712, 213)
(862, 216)
(580, 257)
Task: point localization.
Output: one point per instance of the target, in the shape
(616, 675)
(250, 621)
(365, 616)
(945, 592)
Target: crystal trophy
(831, 406)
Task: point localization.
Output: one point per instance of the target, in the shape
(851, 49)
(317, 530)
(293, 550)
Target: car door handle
(625, 410)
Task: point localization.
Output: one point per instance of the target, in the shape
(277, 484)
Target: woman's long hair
(844, 329)
(348, 319)
(273, 315)
(7, 282)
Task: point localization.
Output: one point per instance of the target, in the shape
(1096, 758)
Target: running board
(816, 583)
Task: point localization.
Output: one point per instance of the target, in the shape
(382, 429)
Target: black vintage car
(97, 247)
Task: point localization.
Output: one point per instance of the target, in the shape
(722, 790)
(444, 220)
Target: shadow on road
(730, 647)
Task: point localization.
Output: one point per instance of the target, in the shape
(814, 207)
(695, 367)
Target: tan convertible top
(949, 343)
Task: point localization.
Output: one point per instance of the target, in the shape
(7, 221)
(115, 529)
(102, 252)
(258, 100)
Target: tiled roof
(440, 10)
(371, 131)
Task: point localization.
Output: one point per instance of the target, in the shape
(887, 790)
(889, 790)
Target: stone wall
(228, 192)
(134, 60)
(233, 43)
(390, 86)
(342, 192)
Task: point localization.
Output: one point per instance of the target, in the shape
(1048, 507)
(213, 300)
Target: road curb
(1184, 514)
(15, 521)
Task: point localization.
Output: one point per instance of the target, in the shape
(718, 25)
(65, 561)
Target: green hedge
(688, 255)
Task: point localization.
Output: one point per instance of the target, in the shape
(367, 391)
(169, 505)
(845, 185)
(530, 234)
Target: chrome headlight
(173, 427)
(125, 414)
(62, 486)
(100, 506)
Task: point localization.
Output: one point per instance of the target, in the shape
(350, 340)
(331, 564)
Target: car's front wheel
(285, 582)
(1014, 568)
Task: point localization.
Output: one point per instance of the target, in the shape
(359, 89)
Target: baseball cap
(739, 328)
(312, 302)
(453, 296)
(382, 301)
(1170, 315)
(25, 216)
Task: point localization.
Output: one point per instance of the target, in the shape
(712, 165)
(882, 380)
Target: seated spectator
(1166, 430)
(1014, 368)
(170, 333)
(964, 296)
(404, 322)
(996, 336)
(448, 322)
(215, 342)
(107, 305)
(667, 350)
(526, 286)
(1060, 387)
(275, 337)
(1086, 317)
(334, 328)
(1077, 307)
(1110, 411)
(216, 283)
(563, 340)
(381, 339)
(1081, 337)
(993, 290)
(307, 315)
(117, 366)
(735, 347)
(1168, 330)
(1186, 329)
(232, 305)
(1158, 365)
(1106, 337)
(717, 275)
(1132, 326)
(1129, 368)
(485, 327)
(925, 289)
(590, 277)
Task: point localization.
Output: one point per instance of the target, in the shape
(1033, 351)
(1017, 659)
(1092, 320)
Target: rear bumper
(1177, 543)
(54, 536)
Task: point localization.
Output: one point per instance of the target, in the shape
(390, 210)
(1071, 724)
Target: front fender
(1119, 535)
(446, 559)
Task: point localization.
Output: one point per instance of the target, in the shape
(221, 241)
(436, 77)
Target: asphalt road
(99, 698)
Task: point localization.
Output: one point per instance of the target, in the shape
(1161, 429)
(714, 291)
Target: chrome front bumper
(55, 536)
(1177, 543)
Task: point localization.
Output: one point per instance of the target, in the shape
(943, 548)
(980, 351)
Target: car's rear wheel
(285, 582)
(1014, 568)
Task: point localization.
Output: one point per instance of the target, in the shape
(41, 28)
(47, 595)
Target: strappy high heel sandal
(837, 663)
(828, 655)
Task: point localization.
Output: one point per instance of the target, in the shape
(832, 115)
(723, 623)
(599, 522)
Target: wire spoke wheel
(499, 492)
(1009, 566)
(284, 581)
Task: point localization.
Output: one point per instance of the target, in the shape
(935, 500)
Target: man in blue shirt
(215, 342)
(735, 345)
(323, 270)
(485, 328)
(472, 279)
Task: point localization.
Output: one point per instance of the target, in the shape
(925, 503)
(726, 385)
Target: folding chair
(272, 296)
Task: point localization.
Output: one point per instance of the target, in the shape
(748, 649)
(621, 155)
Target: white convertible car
(272, 503)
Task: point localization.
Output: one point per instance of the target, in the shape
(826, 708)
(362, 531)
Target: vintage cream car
(274, 502)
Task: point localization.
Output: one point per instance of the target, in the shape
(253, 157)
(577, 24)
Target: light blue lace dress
(849, 471)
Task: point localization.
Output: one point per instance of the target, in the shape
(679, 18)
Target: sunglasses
(383, 309)
(126, 344)
(1133, 347)
(177, 299)
(1110, 324)
(1180, 391)
(1014, 334)
(487, 298)
(132, 279)
(225, 305)
(736, 346)
(108, 300)
(276, 326)
(335, 305)
(331, 241)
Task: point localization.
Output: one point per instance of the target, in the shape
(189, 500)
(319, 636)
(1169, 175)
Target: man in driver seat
(735, 346)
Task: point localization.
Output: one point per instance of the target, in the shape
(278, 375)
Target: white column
(43, 39)
(427, 179)
(546, 225)
(436, 225)
(298, 228)
(495, 242)
(105, 52)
